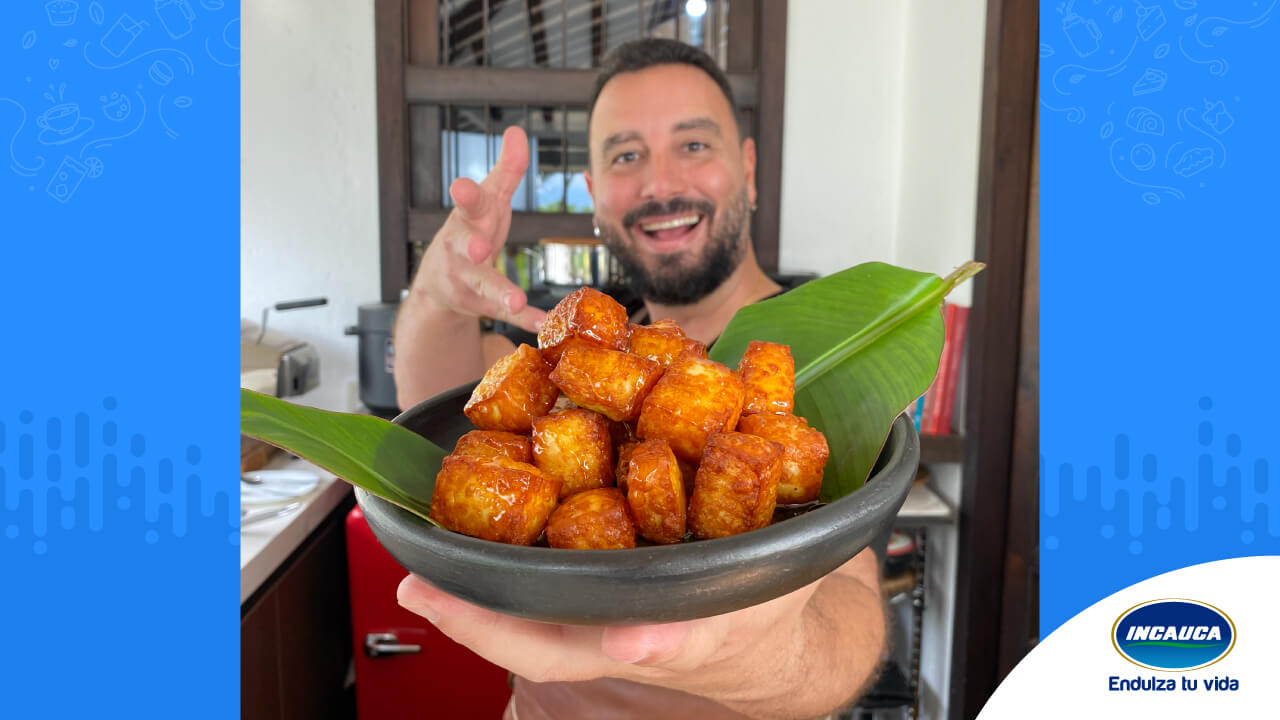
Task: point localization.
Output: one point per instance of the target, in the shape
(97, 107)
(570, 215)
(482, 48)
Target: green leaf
(386, 459)
(866, 341)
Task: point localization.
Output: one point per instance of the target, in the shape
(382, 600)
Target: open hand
(457, 270)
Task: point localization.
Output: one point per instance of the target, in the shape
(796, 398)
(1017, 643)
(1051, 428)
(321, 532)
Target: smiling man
(673, 182)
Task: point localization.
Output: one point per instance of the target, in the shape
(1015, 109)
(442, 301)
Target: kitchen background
(880, 153)
(880, 158)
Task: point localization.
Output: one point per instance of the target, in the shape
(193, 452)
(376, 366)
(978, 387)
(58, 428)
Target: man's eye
(626, 157)
(695, 146)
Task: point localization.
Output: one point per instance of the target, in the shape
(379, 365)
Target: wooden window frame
(407, 39)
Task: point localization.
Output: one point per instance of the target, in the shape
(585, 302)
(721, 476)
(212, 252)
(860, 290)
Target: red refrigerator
(404, 666)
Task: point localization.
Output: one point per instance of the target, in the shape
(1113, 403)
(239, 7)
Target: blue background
(120, 274)
(119, 193)
(1158, 234)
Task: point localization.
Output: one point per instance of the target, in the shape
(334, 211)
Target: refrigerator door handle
(384, 644)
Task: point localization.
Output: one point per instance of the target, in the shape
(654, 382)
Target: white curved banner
(1199, 642)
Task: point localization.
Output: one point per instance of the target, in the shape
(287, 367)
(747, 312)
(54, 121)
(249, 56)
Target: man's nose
(665, 178)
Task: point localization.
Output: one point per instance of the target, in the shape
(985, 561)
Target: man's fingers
(537, 651)
(513, 160)
(499, 298)
(471, 201)
(530, 318)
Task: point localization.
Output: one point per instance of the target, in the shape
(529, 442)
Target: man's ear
(586, 175)
(749, 168)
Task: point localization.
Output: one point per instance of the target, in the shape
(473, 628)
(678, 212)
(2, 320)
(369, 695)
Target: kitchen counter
(265, 545)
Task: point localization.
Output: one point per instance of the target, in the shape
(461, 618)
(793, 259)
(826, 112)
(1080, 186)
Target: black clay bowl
(648, 584)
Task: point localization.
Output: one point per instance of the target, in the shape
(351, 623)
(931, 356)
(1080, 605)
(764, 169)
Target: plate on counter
(654, 584)
(276, 487)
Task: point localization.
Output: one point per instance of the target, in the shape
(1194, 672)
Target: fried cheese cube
(693, 398)
(495, 443)
(655, 492)
(611, 382)
(574, 447)
(493, 499)
(512, 393)
(586, 314)
(804, 456)
(769, 373)
(624, 462)
(662, 342)
(592, 520)
(736, 488)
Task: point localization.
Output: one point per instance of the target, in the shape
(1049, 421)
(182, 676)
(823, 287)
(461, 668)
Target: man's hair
(648, 52)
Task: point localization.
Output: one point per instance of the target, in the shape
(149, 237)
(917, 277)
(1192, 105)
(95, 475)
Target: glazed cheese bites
(624, 462)
(655, 492)
(493, 499)
(693, 398)
(662, 342)
(495, 443)
(588, 315)
(592, 520)
(574, 447)
(736, 487)
(769, 373)
(516, 389)
(804, 453)
(611, 382)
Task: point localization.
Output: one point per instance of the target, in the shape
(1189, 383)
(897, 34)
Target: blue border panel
(119, 188)
(1158, 164)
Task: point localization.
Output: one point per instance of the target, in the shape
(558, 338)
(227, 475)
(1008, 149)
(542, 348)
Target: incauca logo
(1174, 634)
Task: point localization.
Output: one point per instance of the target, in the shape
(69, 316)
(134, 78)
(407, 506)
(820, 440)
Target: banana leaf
(386, 459)
(866, 341)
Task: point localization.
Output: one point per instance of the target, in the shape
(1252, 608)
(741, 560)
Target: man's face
(671, 181)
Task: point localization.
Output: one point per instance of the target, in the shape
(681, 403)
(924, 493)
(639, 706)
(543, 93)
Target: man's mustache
(674, 206)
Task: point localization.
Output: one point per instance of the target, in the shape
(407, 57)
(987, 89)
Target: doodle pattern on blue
(1112, 69)
(119, 196)
(91, 80)
(1157, 256)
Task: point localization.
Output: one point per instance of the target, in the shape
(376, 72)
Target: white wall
(842, 133)
(309, 177)
(880, 162)
(880, 134)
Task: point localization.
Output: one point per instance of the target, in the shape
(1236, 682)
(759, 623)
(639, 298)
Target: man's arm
(437, 350)
(437, 334)
(801, 655)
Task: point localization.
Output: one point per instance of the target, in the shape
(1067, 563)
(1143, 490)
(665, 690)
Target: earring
(595, 229)
(753, 207)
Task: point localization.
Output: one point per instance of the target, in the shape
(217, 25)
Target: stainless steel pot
(563, 262)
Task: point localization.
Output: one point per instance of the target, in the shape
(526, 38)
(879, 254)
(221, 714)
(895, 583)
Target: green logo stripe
(1174, 644)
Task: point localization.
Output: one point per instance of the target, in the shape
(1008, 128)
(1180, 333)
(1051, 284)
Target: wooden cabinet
(295, 635)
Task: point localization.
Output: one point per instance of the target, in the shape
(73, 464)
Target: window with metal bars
(454, 74)
(531, 34)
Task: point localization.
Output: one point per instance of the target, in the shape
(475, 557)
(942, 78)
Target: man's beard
(678, 279)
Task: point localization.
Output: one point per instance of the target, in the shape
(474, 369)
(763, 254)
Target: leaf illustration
(1076, 78)
(95, 13)
(29, 40)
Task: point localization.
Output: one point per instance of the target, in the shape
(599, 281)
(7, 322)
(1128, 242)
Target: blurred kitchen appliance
(295, 363)
(401, 660)
(562, 263)
(377, 357)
